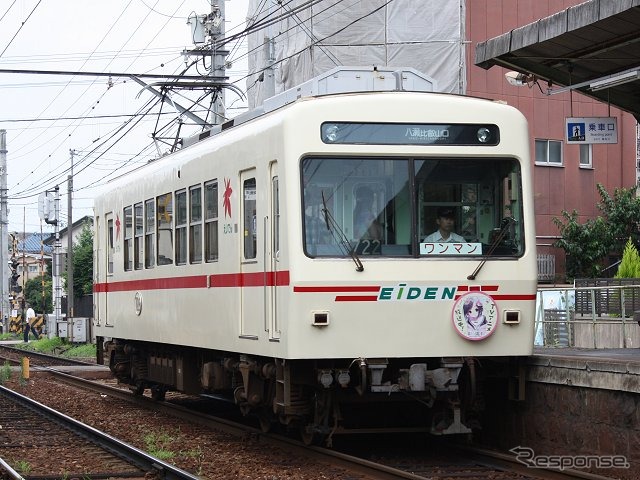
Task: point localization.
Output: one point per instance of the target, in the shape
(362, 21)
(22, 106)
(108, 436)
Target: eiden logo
(403, 292)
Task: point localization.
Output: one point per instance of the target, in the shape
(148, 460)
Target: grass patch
(87, 350)
(5, 373)
(8, 336)
(23, 466)
(157, 445)
(59, 346)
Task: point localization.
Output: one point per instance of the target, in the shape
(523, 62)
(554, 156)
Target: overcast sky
(46, 116)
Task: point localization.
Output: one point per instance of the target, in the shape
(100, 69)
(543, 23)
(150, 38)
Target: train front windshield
(412, 207)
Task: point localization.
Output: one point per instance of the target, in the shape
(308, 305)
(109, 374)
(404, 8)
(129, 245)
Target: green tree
(33, 293)
(82, 263)
(630, 265)
(586, 245)
(622, 212)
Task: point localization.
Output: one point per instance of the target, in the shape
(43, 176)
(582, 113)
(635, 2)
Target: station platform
(610, 369)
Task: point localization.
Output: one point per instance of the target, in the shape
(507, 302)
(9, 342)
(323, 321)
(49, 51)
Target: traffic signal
(14, 287)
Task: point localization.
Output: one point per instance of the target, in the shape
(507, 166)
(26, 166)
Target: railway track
(460, 462)
(13, 355)
(39, 442)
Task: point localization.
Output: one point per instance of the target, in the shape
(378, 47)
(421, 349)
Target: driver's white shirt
(436, 237)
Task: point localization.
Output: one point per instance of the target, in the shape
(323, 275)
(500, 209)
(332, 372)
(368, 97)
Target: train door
(252, 291)
(107, 238)
(272, 261)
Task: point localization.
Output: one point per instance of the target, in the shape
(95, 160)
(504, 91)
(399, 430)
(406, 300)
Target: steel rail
(497, 460)
(109, 443)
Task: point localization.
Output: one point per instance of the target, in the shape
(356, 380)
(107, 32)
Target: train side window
(195, 224)
(181, 227)
(275, 194)
(250, 226)
(110, 246)
(128, 238)
(211, 221)
(150, 234)
(138, 235)
(164, 209)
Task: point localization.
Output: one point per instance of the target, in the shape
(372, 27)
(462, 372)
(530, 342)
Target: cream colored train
(285, 259)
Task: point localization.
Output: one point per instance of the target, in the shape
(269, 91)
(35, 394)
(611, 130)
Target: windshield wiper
(504, 229)
(338, 234)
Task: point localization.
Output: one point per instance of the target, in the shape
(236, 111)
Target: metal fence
(589, 316)
(546, 268)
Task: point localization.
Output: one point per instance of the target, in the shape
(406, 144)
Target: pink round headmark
(475, 316)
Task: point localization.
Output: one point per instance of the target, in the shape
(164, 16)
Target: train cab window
(482, 201)
(128, 238)
(358, 203)
(250, 221)
(211, 221)
(181, 227)
(149, 234)
(195, 224)
(138, 245)
(377, 207)
(164, 228)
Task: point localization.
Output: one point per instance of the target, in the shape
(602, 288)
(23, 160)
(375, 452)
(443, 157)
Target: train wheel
(265, 419)
(308, 435)
(158, 393)
(138, 389)
(265, 423)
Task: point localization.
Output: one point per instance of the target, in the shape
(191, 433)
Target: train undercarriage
(319, 398)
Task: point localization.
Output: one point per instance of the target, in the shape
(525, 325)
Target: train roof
(336, 81)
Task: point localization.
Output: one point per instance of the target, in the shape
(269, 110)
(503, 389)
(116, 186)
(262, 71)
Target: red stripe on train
(336, 289)
(356, 298)
(260, 279)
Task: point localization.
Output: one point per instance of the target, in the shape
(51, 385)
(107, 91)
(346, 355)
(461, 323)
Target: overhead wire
(21, 26)
(8, 9)
(291, 12)
(84, 63)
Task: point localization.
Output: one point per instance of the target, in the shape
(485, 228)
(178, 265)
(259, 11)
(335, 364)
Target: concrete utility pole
(218, 58)
(57, 269)
(70, 253)
(211, 26)
(4, 234)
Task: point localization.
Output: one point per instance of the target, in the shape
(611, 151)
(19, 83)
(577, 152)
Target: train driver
(446, 222)
(365, 223)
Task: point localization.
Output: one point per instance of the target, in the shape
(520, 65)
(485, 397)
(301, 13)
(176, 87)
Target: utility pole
(211, 26)
(218, 58)
(57, 267)
(4, 235)
(70, 253)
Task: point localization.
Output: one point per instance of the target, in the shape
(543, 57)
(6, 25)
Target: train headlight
(343, 378)
(325, 378)
(330, 132)
(484, 135)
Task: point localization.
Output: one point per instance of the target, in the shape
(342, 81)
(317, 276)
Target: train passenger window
(181, 227)
(110, 248)
(149, 234)
(138, 234)
(275, 194)
(195, 224)
(128, 238)
(250, 221)
(164, 208)
(211, 221)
